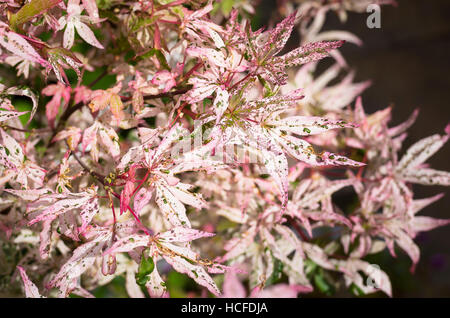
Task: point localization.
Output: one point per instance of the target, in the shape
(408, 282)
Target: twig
(298, 229)
(103, 74)
(31, 131)
(96, 175)
(167, 94)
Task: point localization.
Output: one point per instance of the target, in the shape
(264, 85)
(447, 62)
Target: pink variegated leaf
(276, 103)
(214, 57)
(183, 250)
(425, 223)
(209, 166)
(69, 34)
(19, 46)
(408, 245)
(128, 243)
(421, 151)
(232, 287)
(45, 239)
(116, 106)
(11, 153)
(70, 202)
(91, 8)
(303, 151)
(82, 258)
(182, 193)
(220, 104)
(88, 211)
(125, 196)
(305, 126)
(142, 198)
(6, 114)
(279, 36)
(418, 205)
(277, 167)
(218, 42)
(427, 176)
(165, 80)
(133, 289)
(339, 35)
(182, 234)
(68, 225)
(25, 91)
(89, 136)
(173, 135)
(328, 158)
(199, 93)
(147, 135)
(196, 272)
(86, 34)
(308, 53)
(377, 279)
(31, 291)
(155, 285)
(28, 195)
(170, 206)
(395, 131)
(109, 139)
(61, 97)
(71, 134)
(317, 255)
(238, 246)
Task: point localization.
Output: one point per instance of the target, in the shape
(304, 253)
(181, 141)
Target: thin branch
(294, 224)
(62, 121)
(103, 74)
(96, 175)
(31, 131)
(167, 94)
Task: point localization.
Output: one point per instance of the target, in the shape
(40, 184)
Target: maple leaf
(101, 99)
(411, 166)
(31, 291)
(60, 58)
(170, 192)
(48, 207)
(102, 134)
(20, 91)
(24, 171)
(17, 44)
(259, 128)
(182, 258)
(379, 279)
(74, 21)
(264, 47)
(82, 258)
(60, 93)
(9, 114)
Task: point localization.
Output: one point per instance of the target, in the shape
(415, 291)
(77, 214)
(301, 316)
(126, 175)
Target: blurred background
(408, 61)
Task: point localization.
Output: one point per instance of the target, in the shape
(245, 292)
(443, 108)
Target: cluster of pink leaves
(98, 205)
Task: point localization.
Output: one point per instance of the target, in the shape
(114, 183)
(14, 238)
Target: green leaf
(277, 272)
(322, 284)
(227, 6)
(146, 267)
(155, 52)
(30, 10)
(356, 290)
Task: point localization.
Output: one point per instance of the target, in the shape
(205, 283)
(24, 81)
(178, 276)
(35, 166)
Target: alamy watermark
(374, 19)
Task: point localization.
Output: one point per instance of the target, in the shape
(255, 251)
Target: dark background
(408, 61)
